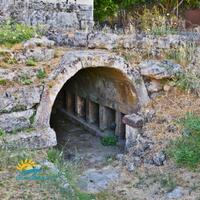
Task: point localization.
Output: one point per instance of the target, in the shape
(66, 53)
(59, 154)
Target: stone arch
(71, 63)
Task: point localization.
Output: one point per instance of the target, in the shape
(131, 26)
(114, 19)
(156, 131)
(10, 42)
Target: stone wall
(56, 14)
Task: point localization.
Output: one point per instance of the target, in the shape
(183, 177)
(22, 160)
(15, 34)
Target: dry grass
(169, 108)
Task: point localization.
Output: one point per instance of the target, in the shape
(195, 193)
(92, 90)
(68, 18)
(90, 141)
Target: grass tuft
(110, 140)
(185, 150)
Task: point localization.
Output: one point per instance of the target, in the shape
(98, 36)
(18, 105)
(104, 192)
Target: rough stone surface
(159, 69)
(159, 159)
(131, 136)
(72, 62)
(95, 181)
(16, 99)
(38, 138)
(177, 193)
(103, 41)
(154, 86)
(40, 54)
(133, 120)
(58, 15)
(41, 42)
(15, 120)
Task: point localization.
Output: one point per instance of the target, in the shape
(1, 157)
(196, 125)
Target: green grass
(191, 122)
(54, 155)
(11, 34)
(110, 140)
(31, 62)
(168, 182)
(188, 82)
(185, 151)
(41, 74)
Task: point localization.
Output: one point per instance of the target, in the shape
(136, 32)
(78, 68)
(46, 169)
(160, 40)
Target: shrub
(11, 34)
(110, 140)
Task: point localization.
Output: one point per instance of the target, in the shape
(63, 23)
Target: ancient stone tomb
(98, 99)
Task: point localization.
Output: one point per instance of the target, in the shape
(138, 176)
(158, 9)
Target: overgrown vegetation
(185, 150)
(188, 81)
(11, 33)
(110, 140)
(52, 188)
(163, 15)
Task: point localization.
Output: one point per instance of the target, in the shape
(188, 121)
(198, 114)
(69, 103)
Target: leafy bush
(110, 140)
(185, 151)
(15, 33)
(153, 21)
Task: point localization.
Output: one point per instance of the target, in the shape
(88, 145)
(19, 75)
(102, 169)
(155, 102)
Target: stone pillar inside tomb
(80, 106)
(102, 118)
(120, 127)
(92, 112)
(70, 103)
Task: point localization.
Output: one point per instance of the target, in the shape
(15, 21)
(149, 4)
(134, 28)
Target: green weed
(41, 74)
(31, 62)
(110, 140)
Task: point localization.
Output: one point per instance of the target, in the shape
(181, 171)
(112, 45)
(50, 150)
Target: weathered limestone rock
(62, 15)
(40, 54)
(103, 41)
(16, 120)
(38, 42)
(38, 138)
(16, 99)
(95, 181)
(72, 62)
(134, 120)
(131, 136)
(159, 159)
(154, 86)
(159, 69)
(177, 193)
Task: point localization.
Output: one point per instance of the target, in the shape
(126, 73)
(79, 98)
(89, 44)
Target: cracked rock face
(159, 69)
(103, 41)
(16, 120)
(22, 98)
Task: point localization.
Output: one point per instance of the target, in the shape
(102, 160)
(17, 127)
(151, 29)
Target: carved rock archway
(73, 62)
